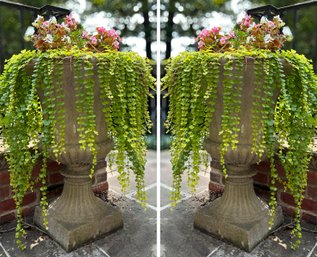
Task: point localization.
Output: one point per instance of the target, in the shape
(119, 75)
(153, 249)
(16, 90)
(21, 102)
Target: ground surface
(179, 238)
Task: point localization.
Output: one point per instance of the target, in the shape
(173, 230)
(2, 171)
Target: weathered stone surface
(245, 235)
(71, 235)
(239, 216)
(136, 239)
(77, 216)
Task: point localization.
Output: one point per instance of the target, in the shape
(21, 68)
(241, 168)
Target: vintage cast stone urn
(77, 216)
(239, 216)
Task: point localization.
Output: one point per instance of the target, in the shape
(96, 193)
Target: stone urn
(77, 216)
(239, 216)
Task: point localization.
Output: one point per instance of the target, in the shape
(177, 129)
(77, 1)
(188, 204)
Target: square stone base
(73, 235)
(243, 235)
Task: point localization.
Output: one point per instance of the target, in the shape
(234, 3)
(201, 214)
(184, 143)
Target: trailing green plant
(124, 82)
(192, 80)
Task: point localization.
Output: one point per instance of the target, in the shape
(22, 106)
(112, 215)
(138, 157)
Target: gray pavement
(136, 239)
(178, 237)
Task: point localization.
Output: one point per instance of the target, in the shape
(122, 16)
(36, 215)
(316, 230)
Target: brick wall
(262, 182)
(31, 199)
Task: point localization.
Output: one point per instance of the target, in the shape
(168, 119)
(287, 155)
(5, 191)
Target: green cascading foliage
(192, 79)
(124, 83)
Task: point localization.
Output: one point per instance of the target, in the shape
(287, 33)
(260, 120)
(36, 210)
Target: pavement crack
(311, 251)
(101, 250)
(4, 250)
(214, 250)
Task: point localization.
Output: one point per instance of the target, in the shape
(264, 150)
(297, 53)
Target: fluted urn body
(239, 215)
(77, 216)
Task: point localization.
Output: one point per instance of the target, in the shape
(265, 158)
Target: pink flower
(101, 30)
(45, 24)
(223, 40)
(215, 30)
(201, 44)
(231, 34)
(204, 33)
(70, 21)
(85, 34)
(271, 24)
(116, 44)
(93, 40)
(112, 33)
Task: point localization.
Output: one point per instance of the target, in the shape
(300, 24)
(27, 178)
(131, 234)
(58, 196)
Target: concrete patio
(178, 237)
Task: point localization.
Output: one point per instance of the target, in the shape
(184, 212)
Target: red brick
(29, 198)
(36, 170)
(5, 192)
(37, 185)
(28, 211)
(309, 217)
(54, 166)
(56, 178)
(7, 217)
(280, 170)
(7, 205)
(309, 205)
(101, 187)
(312, 178)
(215, 187)
(311, 192)
(262, 167)
(287, 198)
(261, 178)
(288, 211)
(4, 178)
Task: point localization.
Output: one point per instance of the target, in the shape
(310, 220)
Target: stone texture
(136, 239)
(77, 216)
(180, 238)
(71, 234)
(245, 235)
(239, 216)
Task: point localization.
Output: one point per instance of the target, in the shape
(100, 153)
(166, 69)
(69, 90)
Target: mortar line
(311, 251)
(101, 250)
(5, 251)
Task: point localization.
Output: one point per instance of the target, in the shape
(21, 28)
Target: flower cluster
(103, 40)
(264, 35)
(50, 34)
(214, 40)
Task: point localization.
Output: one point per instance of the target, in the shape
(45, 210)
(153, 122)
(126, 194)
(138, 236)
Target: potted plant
(243, 100)
(73, 100)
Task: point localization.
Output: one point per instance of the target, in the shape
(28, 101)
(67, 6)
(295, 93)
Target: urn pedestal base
(243, 235)
(71, 235)
(239, 216)
(77, 216)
